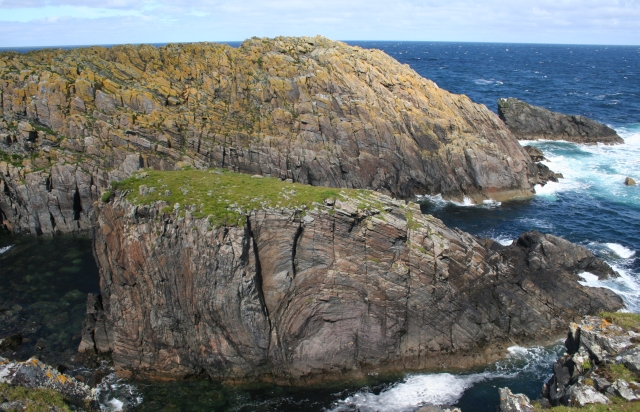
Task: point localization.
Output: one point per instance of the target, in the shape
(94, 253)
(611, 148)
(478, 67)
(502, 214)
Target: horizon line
(160, 44)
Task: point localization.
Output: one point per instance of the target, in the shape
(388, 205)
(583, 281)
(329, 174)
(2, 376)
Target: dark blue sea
(590, 206)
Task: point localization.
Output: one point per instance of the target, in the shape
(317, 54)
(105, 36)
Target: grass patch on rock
(625, 320)
(33, 400)
(224, 196)
(617, 405)
(619, 371)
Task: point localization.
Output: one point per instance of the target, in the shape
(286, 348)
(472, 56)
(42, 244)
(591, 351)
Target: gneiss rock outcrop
(602, 363)
(317, 283)
(34, 374)
(528, 122)
(307, 109)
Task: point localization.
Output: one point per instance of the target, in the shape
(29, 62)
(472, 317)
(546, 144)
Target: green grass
(224, 196)
(13, 159)
(618, 371)
(36, 400)
(626, 320)
(617, 405)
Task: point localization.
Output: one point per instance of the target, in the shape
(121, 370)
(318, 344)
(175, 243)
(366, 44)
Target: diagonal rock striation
(328, 287)
(307, 109)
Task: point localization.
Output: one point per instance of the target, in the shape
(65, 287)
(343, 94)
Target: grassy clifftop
(225, 197)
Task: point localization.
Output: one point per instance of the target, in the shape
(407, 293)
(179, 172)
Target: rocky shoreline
(601, 367)
(259, 277)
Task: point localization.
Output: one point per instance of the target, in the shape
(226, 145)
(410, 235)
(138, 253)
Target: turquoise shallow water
(590, 206)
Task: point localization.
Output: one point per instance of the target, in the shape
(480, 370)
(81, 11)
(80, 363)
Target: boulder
(622, 389)
(528, 122)
(581, 395)
(510, 402)
(629, 181)
(534, 153)
(631, 359)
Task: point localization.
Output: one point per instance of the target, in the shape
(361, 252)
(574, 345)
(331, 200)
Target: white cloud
(104, 21)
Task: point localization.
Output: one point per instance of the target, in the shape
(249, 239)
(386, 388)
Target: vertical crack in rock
(250, 240)
(294, 247)
(77, 204)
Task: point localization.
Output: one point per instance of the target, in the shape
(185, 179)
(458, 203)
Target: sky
(26, 23)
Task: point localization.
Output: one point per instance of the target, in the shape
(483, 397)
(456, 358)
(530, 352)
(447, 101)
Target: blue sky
(79, 22)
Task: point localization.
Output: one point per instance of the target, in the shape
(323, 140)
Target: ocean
(590, 206)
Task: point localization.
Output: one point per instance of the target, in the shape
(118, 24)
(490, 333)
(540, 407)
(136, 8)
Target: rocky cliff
(315, 284)
(307, 109)
(528, 122)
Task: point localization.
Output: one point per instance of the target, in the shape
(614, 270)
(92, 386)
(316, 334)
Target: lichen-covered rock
(307, 109)
(510, 402)
(528, 122)
(35, 374)
(624, 390)
(336, 290)
(599, 351)
(581, 395)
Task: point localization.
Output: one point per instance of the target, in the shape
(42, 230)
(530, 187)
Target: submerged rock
(528, 122)
(11, 342)
(367, 284)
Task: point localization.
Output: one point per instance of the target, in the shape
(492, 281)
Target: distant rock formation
(528, 122)
(629, 181)
(308, 109)
(359, 284)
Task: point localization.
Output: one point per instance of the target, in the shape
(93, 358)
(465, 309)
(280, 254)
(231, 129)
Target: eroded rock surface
(599, 363)
(35, 374)
(528, 122)
(336, 290)
(307, 109)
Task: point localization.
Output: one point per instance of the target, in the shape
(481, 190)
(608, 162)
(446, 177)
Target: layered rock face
(358, 284)
(307, 109)
(528, 122)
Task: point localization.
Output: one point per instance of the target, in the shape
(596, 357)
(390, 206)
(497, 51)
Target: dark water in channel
(42, 280)
(43, 289)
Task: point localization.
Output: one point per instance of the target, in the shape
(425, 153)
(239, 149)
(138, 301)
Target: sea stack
(528, 122)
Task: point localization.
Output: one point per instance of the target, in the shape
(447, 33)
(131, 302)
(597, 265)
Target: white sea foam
(485, 82)
(503, 240)
(626, 285)
(415, 391)
(115, 395)
(597, 170)
(446, 388)
(439, 202)
(620, 250)
(589, 279)
(5, 249)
